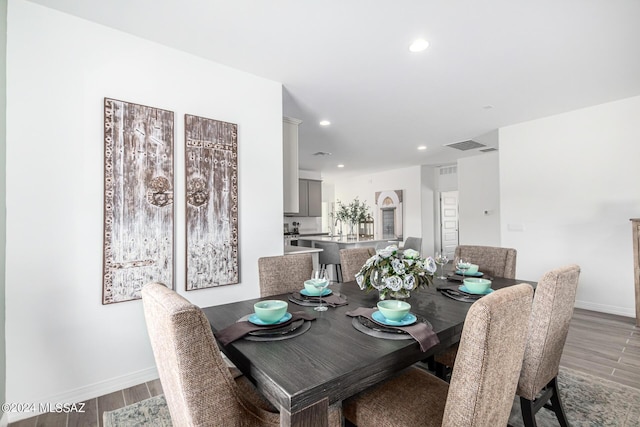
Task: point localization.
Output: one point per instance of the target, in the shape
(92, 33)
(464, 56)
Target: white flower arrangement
(391, 273)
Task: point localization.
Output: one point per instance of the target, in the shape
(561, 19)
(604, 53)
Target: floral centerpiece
(395, 275)
(352, 214)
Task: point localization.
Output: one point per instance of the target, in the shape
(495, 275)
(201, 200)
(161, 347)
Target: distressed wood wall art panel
(138, 199)
(211, 156)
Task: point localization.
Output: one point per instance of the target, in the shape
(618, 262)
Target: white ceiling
(347, 61)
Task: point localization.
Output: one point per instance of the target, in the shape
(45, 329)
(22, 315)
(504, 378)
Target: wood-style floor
(603, 345)
(92, 417)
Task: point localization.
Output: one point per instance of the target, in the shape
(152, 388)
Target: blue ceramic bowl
(393, 309)
(270, 311)
(477, 285)
(473, 269)
(311, 289)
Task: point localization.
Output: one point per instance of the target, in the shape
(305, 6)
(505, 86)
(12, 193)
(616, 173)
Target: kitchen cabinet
(290, 164)
(310, 196)
(315, 198)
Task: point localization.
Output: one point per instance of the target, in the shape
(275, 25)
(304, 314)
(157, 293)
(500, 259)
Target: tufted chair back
(283, 274)
(492, 261)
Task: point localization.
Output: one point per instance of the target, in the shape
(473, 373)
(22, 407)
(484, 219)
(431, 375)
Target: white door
(449, 222)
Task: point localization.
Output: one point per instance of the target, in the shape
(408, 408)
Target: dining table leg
(316, 415)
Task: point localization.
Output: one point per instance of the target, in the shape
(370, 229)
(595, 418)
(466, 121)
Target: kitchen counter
(315, 258)
(288, 250)
(344, 243)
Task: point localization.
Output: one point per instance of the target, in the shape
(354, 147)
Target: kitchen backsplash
(307, 224)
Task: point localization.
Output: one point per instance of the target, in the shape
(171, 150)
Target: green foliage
(354, 212)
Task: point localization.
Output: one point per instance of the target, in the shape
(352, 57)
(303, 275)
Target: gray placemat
(312, 301)
(371, 328)
(296, 332)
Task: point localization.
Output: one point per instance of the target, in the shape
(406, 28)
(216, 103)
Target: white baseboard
(87, 392)
(610, 309)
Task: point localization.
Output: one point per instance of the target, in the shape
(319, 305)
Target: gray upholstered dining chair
(548, 327)
(330, 255)
(491, 260)
(284, 273)
(414, 243)
(382, 245)
(352, 261)
(198, 386)
(483, 382)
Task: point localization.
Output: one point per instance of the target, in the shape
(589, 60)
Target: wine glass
(441, 259)
(463, 266)
(320, 280)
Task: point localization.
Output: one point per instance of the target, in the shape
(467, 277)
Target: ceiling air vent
(321, 153)
(465, 145)
(488, 150)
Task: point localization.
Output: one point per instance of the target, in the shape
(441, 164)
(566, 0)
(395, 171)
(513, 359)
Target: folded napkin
(420, 331)
(240, 329)
(332, 300)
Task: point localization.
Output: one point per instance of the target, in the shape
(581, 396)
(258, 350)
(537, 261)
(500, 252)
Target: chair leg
(431, 363)
(528, 412)
(339, 273)
(556, 403)
(441, 370)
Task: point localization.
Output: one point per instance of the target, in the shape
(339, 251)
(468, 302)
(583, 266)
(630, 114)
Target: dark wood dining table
(332, 361)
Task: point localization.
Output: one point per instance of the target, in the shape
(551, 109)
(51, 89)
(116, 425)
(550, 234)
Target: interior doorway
(449, 222)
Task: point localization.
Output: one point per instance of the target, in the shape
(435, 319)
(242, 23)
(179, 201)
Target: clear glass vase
(353, 231)
(402, 294)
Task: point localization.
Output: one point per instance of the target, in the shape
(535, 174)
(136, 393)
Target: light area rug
(588, 402)
(150, 412)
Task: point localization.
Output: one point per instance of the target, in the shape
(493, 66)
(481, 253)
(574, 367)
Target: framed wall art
(389, 214)
(211, 156)
(138, 199)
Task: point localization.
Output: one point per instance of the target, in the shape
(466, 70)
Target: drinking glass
(441, 260)
(463, 266)
(320, 280)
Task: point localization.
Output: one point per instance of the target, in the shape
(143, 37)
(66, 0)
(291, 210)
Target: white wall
(3, 218)
(571, 183)
(479, 200)
(62, 344)
(364, 187)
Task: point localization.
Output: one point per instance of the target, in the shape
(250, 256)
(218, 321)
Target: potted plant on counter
(352, 214)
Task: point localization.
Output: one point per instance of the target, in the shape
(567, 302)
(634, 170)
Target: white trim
(603, 308)
(87, 392)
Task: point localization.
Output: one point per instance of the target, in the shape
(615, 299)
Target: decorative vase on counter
(353, 231)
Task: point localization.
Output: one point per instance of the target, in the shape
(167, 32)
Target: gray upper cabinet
(310, 196)
(315, 198)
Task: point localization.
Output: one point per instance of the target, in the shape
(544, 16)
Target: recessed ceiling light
(419, 45)
(340, 166)
(422, 147)
(325, 123)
